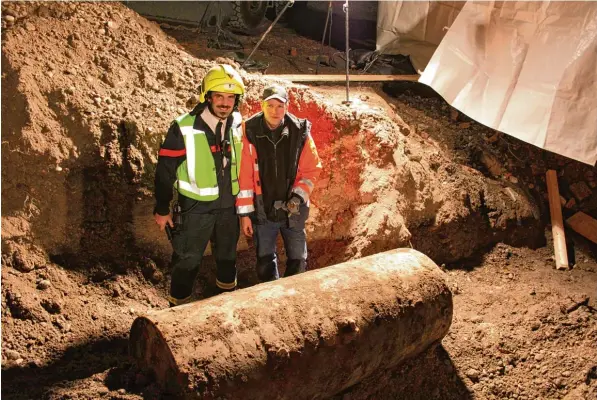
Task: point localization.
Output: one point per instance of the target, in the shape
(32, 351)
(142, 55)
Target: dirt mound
(74, 77)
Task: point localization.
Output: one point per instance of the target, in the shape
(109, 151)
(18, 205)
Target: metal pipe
(330, 30)
(290, 2)
(347, 50)
(307, 336)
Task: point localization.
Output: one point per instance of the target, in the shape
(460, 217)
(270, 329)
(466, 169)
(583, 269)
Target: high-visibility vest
(196, 176)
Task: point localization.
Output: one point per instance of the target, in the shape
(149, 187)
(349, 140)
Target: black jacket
(278, 156)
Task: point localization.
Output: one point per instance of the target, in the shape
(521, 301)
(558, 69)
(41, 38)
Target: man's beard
(219, 112)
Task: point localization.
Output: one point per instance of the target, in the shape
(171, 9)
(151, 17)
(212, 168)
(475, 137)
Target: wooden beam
(342, 78)
(557, 224)
(584, 224)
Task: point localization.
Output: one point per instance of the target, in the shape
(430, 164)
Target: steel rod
(347, 51)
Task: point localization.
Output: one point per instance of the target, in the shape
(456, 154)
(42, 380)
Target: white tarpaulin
(528, 69)
(414, 28)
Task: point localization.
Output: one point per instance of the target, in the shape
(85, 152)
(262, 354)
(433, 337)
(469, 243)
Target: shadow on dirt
(462, 244)
(105, 361)
(431, 375)
(78, 362)
(108, 359)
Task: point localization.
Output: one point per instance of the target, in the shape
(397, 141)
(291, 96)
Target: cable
(290, 2)
(327, 19)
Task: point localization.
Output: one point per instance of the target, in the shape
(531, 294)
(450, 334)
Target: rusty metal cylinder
(304, 337)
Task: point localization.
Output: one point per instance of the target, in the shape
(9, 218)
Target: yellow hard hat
(221, 78)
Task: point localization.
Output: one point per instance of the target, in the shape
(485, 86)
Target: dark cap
(275, 92)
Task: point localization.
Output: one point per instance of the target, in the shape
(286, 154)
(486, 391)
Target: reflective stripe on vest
(245, 209)
(188, 133)
(245, 194)
(214, 191)
(197, 174)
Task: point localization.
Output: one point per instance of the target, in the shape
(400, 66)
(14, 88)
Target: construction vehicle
(245, 17)
(252, 17)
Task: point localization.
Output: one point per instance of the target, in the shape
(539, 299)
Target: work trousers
(189, 242)
(295, 243)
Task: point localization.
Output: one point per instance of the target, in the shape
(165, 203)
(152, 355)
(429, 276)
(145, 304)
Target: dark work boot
(267, 268)
(294, 267)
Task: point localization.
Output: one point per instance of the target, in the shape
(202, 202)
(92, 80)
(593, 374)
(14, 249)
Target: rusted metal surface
(307, 336)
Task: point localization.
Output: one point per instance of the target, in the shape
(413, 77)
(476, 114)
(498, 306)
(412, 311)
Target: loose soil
(88, 91)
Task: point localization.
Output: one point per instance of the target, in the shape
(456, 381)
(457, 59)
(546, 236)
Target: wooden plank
(342, 78)
(557, 224)
(584, 224)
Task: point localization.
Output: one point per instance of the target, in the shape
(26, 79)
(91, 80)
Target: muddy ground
(87, 93)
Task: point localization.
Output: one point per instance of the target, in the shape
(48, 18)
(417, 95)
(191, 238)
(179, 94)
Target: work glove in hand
(293, 205)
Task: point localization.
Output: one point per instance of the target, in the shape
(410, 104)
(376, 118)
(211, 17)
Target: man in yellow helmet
(200, 157)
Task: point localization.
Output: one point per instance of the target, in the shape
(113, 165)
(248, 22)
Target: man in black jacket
(200, 158)
(278, 172)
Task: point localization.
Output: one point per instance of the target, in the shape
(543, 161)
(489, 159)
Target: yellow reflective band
(226, 286)
(179, 302)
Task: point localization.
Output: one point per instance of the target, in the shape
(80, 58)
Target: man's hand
(162, 220)
(247, 226)
(293, 205)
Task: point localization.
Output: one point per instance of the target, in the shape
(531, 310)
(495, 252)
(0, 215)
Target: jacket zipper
(282, 136)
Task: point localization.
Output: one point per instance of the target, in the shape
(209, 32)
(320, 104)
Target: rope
(327, 19)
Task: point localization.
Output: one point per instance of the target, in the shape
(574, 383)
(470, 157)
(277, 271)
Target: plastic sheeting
(414, 28)
(528, 69)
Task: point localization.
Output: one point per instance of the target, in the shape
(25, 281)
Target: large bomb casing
(307, 336)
